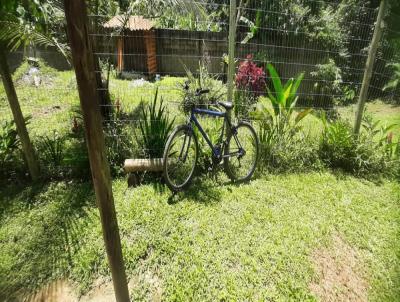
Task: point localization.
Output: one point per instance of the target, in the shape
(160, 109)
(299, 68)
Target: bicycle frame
(216, 151)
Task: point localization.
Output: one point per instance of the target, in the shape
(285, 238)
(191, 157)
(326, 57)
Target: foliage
(369, 154)
(203, 80)
(330, 85)
(51, 148)
(119, 143)
(34, 23)
(12, 161)
(394, 82)
(9, 143)
(250, 82)
(155, 127)
(283, 99)
(283, 144)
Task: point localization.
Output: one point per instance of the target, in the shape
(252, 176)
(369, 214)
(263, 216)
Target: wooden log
(84, 64)
(141, 165)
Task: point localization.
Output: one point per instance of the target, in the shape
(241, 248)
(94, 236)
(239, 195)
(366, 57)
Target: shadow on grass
(41, 239)
(201, 190)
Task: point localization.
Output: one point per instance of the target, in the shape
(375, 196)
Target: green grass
(215, 242)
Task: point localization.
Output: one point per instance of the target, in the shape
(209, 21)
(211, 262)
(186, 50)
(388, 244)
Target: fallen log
(142, 164)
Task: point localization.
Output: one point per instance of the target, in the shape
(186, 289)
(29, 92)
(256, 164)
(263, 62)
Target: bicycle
(238, 152)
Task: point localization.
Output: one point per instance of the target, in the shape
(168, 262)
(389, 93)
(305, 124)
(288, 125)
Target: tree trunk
(85, 67)
(27, 147)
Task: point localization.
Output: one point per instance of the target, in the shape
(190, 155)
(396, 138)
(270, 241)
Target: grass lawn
(256, 242)
(311, 236)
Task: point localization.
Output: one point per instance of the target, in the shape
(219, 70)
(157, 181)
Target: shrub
(52, 148)
(283, 99)
(250, 84)
(338, 145)
(119, 140)
(154, 127)
(9, 142)
(10, 156)
(371, 153)
(283, 144)
(329, 88)
(12, 160)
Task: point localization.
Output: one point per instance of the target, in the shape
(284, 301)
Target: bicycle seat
(226, 105)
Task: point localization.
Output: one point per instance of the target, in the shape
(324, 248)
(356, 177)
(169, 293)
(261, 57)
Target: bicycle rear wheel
(241, 153)
(180, 158)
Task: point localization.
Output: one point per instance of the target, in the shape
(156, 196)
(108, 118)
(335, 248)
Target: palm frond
(14, 35)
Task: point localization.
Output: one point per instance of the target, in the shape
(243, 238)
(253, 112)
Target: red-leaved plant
(250, 77)
(250, 83)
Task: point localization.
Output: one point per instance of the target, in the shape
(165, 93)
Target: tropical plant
(250, 82)
(283, 98)
(284, 145)
(280, 133)
(155, 127)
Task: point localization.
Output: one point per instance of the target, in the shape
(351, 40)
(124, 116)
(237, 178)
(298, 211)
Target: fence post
(83, 60)
(231, 48)
(369, 66)
(27, 147)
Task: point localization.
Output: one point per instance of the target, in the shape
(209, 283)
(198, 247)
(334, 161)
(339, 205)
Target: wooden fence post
(27, 147)
(231, 48)
(83, 60)
(369, 66)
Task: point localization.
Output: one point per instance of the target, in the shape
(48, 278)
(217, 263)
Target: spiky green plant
(155, 127)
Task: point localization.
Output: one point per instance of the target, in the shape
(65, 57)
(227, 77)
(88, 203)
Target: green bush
(10, 155)
(9, 142)
(283, 144)
(371, 153)
(51, 147)
(330, 88)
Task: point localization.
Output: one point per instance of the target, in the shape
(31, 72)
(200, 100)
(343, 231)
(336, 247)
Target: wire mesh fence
(139, 56)
(326, 41)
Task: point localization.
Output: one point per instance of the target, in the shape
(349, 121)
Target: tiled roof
(131, 22)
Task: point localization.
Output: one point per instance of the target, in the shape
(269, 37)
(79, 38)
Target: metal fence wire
(327, 41)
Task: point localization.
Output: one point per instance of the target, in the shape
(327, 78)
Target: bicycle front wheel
(241, 153)
(180, 158)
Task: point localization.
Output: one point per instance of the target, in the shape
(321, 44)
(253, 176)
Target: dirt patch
(57, 291)
(63, 291)
(339, 273)
(102, 291)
